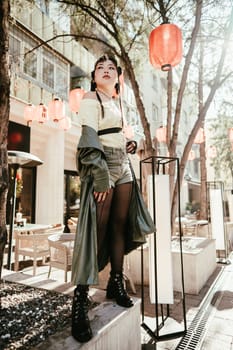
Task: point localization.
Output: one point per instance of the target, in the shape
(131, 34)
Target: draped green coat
(94, 175)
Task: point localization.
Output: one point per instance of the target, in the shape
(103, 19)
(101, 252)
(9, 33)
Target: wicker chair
(34, 245)
(61, 252)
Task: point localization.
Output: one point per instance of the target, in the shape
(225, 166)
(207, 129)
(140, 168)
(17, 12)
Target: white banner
(217, 219)
(163, 241)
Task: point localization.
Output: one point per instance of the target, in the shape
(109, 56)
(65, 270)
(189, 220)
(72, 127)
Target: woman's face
(106, 74)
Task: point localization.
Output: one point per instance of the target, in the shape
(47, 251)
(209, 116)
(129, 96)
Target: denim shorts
(118, 164)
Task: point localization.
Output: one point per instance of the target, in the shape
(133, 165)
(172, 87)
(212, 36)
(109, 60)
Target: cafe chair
(61, 251)
(34, 245)
(72, 224)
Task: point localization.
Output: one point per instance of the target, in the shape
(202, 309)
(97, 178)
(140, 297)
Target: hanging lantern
(161, 134)
(41, 113)
(56, 110)
(200, 137)
(75, 98)
(191, 155)
(65, 123)
(230, 134)
(211, 152)
(29, 113)
(165, 46)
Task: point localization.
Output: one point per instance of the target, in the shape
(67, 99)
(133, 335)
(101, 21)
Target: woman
(105, 226)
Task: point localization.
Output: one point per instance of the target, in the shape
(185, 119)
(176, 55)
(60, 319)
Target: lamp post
(165, 52)
(17, 159)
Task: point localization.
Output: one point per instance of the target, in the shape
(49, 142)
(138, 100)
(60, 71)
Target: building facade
(46, 63)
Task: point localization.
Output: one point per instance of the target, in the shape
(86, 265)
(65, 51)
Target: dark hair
(104, 58)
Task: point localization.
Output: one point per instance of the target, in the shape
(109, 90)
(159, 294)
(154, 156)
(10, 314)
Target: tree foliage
(219, 129)
(123, 27)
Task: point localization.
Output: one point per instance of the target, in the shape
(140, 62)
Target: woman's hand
(131, 147)
(101, 196)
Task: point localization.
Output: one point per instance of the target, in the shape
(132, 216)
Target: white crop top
(90, 114)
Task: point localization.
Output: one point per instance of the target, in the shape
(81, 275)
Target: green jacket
(94, 175)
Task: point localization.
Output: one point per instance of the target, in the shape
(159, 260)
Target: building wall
(55, 147)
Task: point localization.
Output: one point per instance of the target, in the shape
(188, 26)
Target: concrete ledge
(114, 328)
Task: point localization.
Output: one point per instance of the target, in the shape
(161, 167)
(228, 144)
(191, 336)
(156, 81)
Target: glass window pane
(48, 73)
(61, 82)
(30, 63)
(72, 195)
(14, 50)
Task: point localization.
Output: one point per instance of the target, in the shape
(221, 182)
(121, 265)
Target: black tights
(111, 219)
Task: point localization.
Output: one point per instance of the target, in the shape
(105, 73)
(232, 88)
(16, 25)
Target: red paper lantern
(230, 134)
(200, 137)
(191, 155)
(56, 110)
(65, 123)
(161, 134)
(41, 113)
(29, 113)
(165, 46)
(75, 98)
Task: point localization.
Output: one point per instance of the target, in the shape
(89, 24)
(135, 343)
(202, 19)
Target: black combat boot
(80, 327)
(116, 290)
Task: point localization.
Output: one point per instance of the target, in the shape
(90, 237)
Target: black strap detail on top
(109, 131)
(101, 104)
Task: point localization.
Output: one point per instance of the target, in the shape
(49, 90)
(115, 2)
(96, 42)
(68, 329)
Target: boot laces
(80, 308)
(120, 286)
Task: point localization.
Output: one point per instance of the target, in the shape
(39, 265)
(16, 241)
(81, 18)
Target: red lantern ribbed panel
(29, 113)
(56, 110)
(75, 98)
(65, 123)
(230, 134)
(41, 113)
(191, 155)
(200, 137)
(161, 134)
(165, 46)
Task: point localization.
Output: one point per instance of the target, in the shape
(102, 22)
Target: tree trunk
(4, 119)
(203, 195)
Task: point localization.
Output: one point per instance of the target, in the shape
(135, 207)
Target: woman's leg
(81, 329)
(103, 212)
(117, 231)
(118, 220)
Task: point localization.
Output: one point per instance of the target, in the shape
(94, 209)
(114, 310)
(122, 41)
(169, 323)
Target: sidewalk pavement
(209, 314)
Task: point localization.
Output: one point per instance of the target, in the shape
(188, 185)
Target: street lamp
(17, 159)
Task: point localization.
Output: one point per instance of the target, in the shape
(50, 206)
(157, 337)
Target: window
(14, 51)
(61, 82)
(25, 194)
(43, 5)
(45, 67)
(72, 194)
(48, 73)
(154, 82)
(30, 63)
(155, 113)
